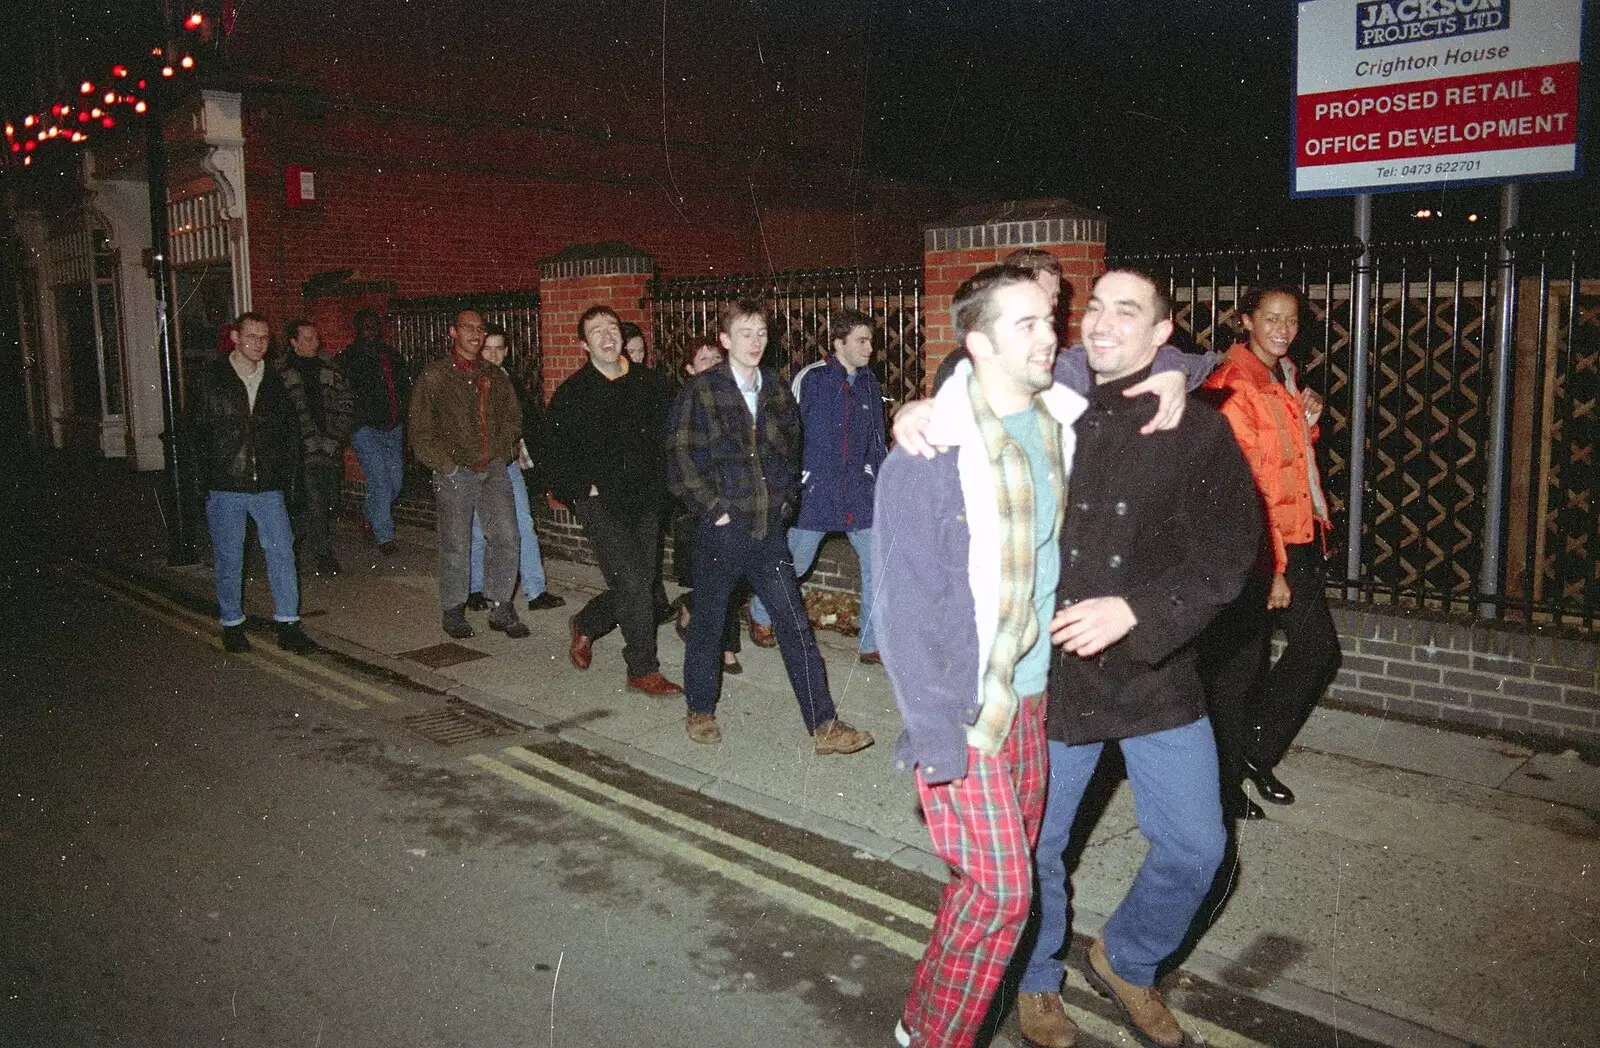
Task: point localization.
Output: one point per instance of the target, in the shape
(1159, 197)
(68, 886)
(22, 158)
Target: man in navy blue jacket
(841, 417)
(732, 450)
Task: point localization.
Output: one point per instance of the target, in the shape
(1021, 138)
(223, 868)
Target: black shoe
(388, 549)
(1268, 785)
(546, 601)
(1237, 806)
(477, 602)
(454, 622)
(734, 668)
(292, 638)
(327, 564)
(234, 640)
(504, 620)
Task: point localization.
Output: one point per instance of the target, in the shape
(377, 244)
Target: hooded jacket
(842, 426)
(936, 547)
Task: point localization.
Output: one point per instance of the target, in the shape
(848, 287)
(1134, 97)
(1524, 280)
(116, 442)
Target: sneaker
(902, 1036)
(653, 684)
(477, 602)
(454, 622)
(546, 601)
(388, 548)
(835, 736)
(503, 619)
(703, 728)
(1143, 1007)
(328, 564)
(1044, 1022)
(293, 639)
(234, 640)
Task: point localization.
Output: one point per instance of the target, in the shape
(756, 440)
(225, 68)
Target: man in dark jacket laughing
(1159, 535)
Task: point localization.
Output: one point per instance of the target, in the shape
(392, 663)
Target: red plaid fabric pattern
(985, 827)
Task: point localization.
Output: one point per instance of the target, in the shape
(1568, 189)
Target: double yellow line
(660, 829)
(622, 811)
(281, 664)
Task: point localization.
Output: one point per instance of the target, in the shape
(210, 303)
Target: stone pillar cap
(1016, 223)
(606, 258)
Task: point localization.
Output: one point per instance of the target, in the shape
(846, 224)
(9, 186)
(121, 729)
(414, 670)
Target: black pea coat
(1170, 522)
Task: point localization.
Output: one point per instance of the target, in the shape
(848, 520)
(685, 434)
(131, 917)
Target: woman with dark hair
(1258, 711)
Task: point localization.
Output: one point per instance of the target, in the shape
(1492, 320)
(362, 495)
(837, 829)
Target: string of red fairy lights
(96, 106)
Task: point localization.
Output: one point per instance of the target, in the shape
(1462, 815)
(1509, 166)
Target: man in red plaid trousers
(968, 543)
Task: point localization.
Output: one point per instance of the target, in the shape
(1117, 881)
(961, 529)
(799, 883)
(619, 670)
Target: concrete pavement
(1429, 888)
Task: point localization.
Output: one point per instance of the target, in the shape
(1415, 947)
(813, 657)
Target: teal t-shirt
(1033, 669)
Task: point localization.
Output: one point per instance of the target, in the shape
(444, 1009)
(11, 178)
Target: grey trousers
(456, 496)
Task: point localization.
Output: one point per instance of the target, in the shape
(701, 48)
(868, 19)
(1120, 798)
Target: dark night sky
(1170, 117)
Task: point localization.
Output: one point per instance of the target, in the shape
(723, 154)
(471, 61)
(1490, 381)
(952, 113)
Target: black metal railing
(801, 304)
(1430, 411)
(422, 327)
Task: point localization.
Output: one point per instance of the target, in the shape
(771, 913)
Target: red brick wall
(943, 272)
(440, 210)
(564, 299)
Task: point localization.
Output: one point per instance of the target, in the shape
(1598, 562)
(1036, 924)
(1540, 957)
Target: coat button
(1072, 554)
(1116, 560)
(1083, 507)
(1122, 509)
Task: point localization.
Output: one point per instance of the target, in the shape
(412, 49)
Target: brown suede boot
(1143, 1006)
(1044, 1021)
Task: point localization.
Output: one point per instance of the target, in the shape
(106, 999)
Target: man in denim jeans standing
(378, 388)
(465, 422)
(841, 417)
(247, 430)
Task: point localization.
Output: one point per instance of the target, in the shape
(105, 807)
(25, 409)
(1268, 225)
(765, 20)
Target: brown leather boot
(1044, 1021)
(1143, 1006)
(835, 736)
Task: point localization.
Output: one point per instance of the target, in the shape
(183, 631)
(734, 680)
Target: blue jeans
(383, 462)
(531, 560)
(722, 556)
(803, 546)
(1175, 795)
(225, 516)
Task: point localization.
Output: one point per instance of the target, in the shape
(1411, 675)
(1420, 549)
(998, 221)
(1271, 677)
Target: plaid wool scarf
(1018, 628)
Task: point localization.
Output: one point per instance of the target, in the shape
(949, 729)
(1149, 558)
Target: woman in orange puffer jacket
(1257, 712)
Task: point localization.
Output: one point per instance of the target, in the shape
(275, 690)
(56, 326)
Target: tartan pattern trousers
(985, 826)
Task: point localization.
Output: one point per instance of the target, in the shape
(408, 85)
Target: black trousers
(324, 483)
(1257, 711)
(627, 551)
(684, 525)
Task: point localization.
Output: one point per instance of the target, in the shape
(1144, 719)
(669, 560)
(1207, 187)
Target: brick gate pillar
(980, 236)
(583, 275)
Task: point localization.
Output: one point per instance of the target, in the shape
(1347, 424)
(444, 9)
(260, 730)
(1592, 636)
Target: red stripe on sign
(1517, 109)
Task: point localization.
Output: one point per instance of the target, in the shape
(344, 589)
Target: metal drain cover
(456, 721)
(438, 656)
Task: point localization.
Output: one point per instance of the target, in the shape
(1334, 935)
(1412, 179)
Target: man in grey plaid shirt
(733, 458)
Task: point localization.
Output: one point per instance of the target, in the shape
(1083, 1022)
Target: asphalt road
(199, 850)
(266, 850)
